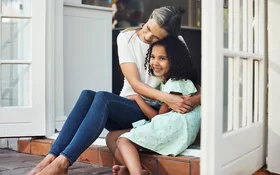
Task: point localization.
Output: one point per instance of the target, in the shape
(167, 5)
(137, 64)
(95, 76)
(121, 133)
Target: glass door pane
(15, 7)
(16, 39)
(15, 60)
(15, 85)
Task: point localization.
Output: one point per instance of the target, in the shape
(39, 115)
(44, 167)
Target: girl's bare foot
(40, 166)
(58, 167)
(122, 170)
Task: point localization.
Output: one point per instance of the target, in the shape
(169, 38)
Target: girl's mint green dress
(170, 133)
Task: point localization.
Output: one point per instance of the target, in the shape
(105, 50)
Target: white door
(233, 87)
(22, 68)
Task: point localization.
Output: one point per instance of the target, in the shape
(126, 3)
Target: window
(191, 18)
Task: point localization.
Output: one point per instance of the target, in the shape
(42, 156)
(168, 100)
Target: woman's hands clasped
(183, 104)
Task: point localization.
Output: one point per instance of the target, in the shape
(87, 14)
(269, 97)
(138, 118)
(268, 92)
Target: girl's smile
(159, 62)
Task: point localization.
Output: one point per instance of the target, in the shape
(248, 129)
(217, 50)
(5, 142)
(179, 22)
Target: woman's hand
(182, 104)
(191, 101)
(175, 102)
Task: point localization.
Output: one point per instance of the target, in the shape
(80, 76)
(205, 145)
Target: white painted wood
(87, 39)
(273, 150)
(51, 47)
(236, 25)
(250, 26)
(236, 97)
(250, 94)
(245, 26)
(244, 91)
(230, 23)
(256, 92)
(243, 54)
(241, 150)
(257, 27)
(212, 70)
(30, 120)
(230, 94)
(59, 66)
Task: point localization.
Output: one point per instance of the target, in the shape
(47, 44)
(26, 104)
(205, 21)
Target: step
(157, 164)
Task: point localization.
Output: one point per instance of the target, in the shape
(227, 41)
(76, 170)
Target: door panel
(233, 87)
(22, 68)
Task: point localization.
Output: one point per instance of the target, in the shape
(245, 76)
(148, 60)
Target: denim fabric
(93, 112)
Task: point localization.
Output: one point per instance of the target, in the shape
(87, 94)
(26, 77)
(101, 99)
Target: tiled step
(157, 164)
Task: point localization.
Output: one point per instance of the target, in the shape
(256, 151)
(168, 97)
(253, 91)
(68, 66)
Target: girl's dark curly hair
(179, 59)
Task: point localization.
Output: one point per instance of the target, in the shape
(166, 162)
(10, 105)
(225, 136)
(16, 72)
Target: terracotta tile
(149, 162)
(263, 171)
(195, 167)
(90, 155)
(177, 158)
(24, 146)
(105, 157)
(39, 148)
(171, 167)
(48, 141)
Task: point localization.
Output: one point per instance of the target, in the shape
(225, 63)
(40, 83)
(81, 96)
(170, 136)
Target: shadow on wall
(192, 38)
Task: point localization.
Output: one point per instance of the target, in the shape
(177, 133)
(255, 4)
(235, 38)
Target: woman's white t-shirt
(132, 50)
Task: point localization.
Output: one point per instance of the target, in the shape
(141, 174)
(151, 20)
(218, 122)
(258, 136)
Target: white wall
(273, 159)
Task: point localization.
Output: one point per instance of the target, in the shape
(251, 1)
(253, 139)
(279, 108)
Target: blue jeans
(93, 112)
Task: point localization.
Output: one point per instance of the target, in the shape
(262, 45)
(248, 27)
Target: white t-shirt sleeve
(124, 52)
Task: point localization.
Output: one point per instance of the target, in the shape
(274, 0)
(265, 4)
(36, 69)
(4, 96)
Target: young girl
(168, 132)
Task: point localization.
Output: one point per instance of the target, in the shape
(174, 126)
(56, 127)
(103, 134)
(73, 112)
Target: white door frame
(220, 155)
(54, 65)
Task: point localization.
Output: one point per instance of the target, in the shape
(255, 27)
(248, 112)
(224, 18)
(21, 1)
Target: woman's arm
(175, 102)
(145, 108)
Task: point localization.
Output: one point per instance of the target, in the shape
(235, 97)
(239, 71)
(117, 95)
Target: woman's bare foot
(40, 166)
(58, 167)
(122, 170)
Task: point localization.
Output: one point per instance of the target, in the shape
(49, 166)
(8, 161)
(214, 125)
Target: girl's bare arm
(176, 103)
(145, 108)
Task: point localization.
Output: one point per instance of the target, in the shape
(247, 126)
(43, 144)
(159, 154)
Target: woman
(95, 111)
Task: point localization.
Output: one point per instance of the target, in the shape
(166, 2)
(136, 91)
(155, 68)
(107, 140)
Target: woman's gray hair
(169, 18)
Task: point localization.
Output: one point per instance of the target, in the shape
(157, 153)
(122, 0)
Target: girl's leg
(111, 142)
(68, 130)
(130, 155)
